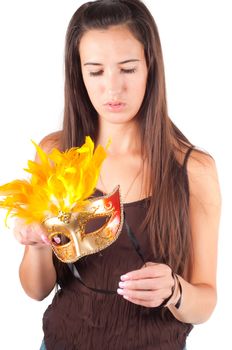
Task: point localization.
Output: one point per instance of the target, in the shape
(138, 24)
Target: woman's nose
(114, 83)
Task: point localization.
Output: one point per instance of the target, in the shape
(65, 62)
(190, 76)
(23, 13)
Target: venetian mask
(59, 195)
(70, 229)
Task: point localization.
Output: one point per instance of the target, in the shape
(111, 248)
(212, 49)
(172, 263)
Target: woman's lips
(115, 106)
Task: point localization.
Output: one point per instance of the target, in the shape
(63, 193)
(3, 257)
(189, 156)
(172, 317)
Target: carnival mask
(74, 241)
(58, 195)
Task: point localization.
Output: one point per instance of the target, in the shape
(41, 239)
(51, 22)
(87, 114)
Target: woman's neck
(124, 138)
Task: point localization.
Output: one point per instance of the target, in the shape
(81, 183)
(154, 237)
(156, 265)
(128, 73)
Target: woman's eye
(94, 74)
(132, 70)
(100, 72)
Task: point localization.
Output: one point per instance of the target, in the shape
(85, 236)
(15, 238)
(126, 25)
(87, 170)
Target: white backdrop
(196, 40)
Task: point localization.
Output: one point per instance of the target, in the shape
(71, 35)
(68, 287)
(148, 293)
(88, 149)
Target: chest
(129, 173)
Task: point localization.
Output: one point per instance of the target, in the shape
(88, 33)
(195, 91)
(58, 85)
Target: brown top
(81, 319)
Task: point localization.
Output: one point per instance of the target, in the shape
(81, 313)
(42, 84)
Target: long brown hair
(167, 219)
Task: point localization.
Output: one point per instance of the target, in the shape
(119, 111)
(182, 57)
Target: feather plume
(61, 181)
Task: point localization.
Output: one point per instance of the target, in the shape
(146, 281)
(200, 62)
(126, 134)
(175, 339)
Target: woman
(164, 273)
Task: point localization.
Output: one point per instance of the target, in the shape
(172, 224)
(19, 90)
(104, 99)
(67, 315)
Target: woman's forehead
(117, 42)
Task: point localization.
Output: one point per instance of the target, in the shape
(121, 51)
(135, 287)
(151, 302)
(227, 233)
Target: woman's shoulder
(194, 159)
(200, 163)
(201, 171)
(203, 177)
(51, 141)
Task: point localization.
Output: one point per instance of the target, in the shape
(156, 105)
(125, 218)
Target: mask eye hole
(59, 239)
(96, 223)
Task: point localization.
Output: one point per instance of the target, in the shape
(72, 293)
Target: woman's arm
(152, 284)
(199, 294)
(37, 272)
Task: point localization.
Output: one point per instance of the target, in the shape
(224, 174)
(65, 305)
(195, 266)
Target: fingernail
(121, 284)
(124, 277)
(45, 239)
(119, 291)
(57, 239)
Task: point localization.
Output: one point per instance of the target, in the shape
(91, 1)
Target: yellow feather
(61, 181)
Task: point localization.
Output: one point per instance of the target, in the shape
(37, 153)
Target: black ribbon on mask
(137, 248)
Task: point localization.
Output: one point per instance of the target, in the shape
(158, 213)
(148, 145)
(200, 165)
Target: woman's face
(114, 72)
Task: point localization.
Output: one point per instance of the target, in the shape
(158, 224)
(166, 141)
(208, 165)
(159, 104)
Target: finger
(25, 241)
(144, 295)
(30, 234)
(27, 237)
(150, 303)
(21, 238)
(145, 284)
(45, 239)
(148, 271)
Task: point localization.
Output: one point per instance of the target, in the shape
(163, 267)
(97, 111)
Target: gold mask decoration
(70, 228)
(58, 196)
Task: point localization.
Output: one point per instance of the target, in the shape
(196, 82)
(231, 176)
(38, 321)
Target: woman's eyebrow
(92, 64)
(100, 64)
(128, 61)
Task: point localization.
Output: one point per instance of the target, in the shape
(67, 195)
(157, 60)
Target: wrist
(176, 294)
(178, 300)
(39, 247)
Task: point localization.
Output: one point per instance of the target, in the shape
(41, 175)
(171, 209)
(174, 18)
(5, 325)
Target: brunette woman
(162, 268)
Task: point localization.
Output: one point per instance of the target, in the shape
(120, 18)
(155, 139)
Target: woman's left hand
(148, 286)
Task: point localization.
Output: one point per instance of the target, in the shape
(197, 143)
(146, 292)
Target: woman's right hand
(37, 272)
(30, 234)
